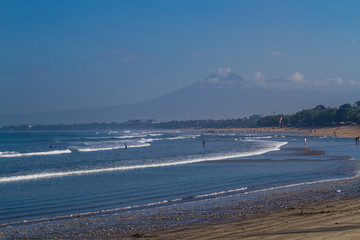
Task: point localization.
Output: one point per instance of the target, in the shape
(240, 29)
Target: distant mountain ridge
(203, 100)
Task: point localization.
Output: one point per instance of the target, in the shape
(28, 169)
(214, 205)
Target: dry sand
(335, 219)
(339, 131)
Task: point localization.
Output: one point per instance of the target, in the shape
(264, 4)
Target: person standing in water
(203, 143)
(125, 146)
(304, 141)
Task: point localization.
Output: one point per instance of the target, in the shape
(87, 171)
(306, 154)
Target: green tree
(344, 112)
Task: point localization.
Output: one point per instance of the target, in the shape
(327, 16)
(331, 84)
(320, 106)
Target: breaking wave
(44, 175)
(95, 149)
(16, 154)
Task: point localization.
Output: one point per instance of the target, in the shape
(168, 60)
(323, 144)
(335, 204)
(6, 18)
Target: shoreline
(287, 214)
(314, 211)
(350, 131)
(319, 219)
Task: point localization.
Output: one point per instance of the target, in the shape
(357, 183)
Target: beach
(350, 131)
(332, 219)
(311, 207)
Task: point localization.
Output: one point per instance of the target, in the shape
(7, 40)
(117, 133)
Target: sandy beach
(333, 219)
(350, 131)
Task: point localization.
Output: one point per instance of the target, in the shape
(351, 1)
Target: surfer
(203, 143)
(125, 146)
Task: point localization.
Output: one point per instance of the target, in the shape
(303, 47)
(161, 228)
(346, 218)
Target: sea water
(49, 174)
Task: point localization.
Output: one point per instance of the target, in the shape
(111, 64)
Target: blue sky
(57, 55)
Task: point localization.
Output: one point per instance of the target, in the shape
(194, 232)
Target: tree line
(140, 124)
(318, 116)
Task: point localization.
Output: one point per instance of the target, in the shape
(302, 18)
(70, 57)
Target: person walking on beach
(304, 141)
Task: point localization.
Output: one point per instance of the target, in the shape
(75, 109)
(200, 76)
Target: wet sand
(332, 219)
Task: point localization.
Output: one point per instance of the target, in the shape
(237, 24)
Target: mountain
(209, 99)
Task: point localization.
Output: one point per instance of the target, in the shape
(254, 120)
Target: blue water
(48, 174)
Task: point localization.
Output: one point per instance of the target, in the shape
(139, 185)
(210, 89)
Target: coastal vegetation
(319, 116)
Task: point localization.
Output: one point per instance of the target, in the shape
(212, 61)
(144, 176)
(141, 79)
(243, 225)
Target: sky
(64, 54)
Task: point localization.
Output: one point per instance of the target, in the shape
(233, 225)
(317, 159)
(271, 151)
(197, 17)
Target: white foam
(130, 136)
(170, 138)
(112, 132)
(16, 154)
(257, 138)
(222, 192)
(37, 176)
(176, 138)
(139, 145)
(155, 134)
(125, 136)
(98, 149)
(111, 148)
(147, 140)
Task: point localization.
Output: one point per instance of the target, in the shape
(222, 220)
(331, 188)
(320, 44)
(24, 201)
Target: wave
(38, 176)
(98, 149)
(155, 134)
(220, 193)
(130, 136)
(147, 140)
(258, 138)
(304, 183)
(183, 137)
(16, 154)
(111, 148)
(112, 132)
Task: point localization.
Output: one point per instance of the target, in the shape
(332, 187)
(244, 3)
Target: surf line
(44, 175)
(16, 154)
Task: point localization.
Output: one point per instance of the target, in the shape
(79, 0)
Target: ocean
(45, 175)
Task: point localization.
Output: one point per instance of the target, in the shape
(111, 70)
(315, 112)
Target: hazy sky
(62, 54)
